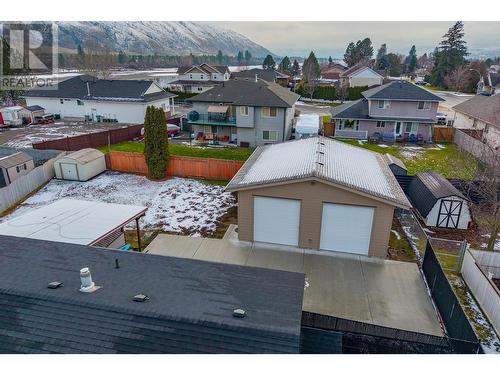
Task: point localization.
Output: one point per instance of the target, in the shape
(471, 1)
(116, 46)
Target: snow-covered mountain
(166, 38)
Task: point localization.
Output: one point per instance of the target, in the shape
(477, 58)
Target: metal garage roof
(325, 159)
(72, 221)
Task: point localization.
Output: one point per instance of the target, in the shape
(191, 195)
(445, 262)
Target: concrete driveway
(382, 292)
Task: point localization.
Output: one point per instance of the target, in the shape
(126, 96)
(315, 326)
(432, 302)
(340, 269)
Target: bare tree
(458, 79)
(97, 60)
(483, 189)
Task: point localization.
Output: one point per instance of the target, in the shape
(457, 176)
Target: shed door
(346, 228)
(69, 171)
(449, 213)
(276, 220)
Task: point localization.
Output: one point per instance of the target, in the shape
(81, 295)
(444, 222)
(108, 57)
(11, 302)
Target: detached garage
(81, 165)
(317, 193)
(438, 202)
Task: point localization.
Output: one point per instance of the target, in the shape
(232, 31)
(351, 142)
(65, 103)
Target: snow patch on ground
(410, 152)
(176, 205)
(382, 145)
(485, 244)
(440, 146)
(427, 230)
(398, 236)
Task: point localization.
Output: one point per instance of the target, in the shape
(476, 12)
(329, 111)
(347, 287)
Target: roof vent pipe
(88, 89)
(88, 286)
(256, 78)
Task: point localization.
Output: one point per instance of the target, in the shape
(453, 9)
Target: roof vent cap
(239, 313)
(140, 298)
(55, 285)
(88, 286)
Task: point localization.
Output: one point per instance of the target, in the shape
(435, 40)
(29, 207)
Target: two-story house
(396, 110)
(199, 78)
(360, 75)
(248, 112)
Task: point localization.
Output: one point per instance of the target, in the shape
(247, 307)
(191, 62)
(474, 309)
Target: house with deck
(199, 78)
(88, 98)
(247, 112)
(396, 111)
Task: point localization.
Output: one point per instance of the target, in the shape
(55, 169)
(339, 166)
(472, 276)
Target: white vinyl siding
(346, 228)
(276, 220)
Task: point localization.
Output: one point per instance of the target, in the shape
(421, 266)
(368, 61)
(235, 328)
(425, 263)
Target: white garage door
(276, 220)
(346, 228)
(69, 171)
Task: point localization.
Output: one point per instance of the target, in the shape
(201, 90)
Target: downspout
(284, 124)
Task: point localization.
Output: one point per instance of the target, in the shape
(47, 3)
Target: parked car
(441, 118)
(421, 83)
(172, 130)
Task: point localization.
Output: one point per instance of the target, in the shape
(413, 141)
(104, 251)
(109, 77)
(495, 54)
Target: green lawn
(449, 161)
(236, 153)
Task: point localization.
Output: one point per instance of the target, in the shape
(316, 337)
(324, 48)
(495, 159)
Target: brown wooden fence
(443, 134)
(180, 166)
(91, 140)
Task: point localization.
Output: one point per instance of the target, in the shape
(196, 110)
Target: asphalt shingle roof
(249, 92)
(206, 68)
(426, 188)
(12, 160)
(189, 309)
(400, 90)
(484, 108)
(323, 158)
(101, 89)
(265, 74)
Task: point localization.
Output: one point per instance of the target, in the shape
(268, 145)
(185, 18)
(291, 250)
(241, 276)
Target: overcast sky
(331, 38)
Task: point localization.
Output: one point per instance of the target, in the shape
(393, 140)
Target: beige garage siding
(313, 194)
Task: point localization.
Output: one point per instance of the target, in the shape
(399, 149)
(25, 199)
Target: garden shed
(81, 165)
(438, 202)
(14, 166)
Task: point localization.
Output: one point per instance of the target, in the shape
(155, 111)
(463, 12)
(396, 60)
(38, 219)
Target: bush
(354, 93)
(182, 95)
(321, 92)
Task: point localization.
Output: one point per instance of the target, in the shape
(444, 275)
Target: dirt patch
(230, 217)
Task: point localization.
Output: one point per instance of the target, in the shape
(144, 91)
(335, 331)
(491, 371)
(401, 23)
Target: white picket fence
(26, 184)
(475, 269)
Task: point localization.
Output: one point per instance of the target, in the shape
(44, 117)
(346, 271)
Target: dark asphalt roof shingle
(426, 188)
(265, 74)
(189, 310)
(205, 68)
(400, 90)
(249, 92)
(34, 108)
(101, 89)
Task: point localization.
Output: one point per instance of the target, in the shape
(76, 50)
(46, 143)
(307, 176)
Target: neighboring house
(81, 165)
(332, 72)
(269, 75)
(396, 110)
(14, 166)
(247, 112)
(318, 193)
(130, 302)
(361, 75)
(482, 113)
(100, 100)
(199, 78)
(438, 202)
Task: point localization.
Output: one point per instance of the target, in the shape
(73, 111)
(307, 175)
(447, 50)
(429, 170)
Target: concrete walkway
(371, 290)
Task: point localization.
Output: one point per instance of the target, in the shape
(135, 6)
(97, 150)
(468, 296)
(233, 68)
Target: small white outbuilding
(81, 165)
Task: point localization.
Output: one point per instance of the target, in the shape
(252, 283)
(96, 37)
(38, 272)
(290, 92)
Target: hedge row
(329, 92)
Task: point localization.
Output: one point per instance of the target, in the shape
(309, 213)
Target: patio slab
(371, 290)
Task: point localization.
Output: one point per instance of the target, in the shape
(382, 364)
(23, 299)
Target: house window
(244, 111)
(61, 101)
(18, 169)
(200, 88)
(270, 135)
(79, 102)
(269, 112)
(190, 76)
(408, 127)
(215, 76)
(384, 104)
(424, 105)
(201, 76)
(24, 167)
(380, 124)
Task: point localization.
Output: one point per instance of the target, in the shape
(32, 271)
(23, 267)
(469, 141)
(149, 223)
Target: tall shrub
(156, 150)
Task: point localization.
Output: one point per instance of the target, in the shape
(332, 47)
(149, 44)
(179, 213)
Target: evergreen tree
(349, 55)
(156, 150)
(285, 65)
(122, 58)
(394, 64)
(269, 63)
(240, 57)
(330, 61)
(81, 56)
(411, 60)
(449, 55)
(220, 57)
(295, 68)
(381, 53)
(364, 50)
(248, 56)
